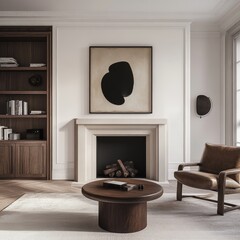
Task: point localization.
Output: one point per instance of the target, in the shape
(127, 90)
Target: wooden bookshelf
(25, 158)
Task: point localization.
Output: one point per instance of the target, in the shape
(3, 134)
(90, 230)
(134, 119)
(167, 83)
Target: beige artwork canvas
(120, 79)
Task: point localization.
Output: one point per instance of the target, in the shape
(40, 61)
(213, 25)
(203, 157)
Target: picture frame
(120, 79)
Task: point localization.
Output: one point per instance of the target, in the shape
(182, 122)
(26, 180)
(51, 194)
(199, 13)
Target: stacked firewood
(120, 169)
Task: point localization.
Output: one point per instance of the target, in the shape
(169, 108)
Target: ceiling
(208, 10)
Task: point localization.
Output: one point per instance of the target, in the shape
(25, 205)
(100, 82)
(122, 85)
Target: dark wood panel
(22, 69)
(15, 81)
(23, 92)
(23, 116)
(27, 30)
(31, 160)
(6, 160)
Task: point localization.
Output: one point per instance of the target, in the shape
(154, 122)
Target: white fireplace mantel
(87, 130)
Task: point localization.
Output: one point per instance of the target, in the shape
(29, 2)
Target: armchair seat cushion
(203, 180)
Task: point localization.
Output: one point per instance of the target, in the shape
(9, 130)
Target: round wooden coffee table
(122, 211)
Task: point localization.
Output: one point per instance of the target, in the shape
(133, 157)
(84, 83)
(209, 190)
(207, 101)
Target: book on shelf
(37, 64)
(25, 108)
(17, 107)
(2, 132)
(8, 62)
(37, 112)
(11, 107)
(6, 132)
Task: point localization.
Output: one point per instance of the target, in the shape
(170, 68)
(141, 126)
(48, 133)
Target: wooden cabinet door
(31, 160)
(6, 160)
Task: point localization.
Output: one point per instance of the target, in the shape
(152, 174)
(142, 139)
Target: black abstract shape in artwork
(118, 83)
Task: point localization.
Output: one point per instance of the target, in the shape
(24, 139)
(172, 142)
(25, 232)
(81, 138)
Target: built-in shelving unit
(26, 158)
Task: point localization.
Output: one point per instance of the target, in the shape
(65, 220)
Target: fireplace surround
(88, 129)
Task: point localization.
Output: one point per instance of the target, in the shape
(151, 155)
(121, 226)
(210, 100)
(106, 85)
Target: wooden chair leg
(179, 191)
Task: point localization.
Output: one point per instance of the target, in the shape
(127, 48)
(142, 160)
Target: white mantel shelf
(87, 130)
(118, 121)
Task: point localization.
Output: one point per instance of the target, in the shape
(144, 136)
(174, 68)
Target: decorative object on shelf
(203, 105)
(37, 112)
(37, 65)
(34, 134)
(14, 136)
(120, 79)
(35, 80)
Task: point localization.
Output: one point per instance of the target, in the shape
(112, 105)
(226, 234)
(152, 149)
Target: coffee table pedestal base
(122, 217)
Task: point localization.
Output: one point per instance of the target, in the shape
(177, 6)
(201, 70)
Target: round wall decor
(35, 80)
(203, 105)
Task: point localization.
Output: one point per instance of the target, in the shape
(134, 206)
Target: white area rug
(71, 216)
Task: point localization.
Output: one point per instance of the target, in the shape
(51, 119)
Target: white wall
(171, 92)
(206, 80)
(71, 82)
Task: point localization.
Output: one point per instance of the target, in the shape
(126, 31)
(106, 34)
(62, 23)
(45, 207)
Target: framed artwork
(120, 79)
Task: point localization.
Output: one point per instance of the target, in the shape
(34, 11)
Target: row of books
(4, 132)
(17, 107)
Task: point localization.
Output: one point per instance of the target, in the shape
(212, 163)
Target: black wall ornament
(35, 80)
(203, 105)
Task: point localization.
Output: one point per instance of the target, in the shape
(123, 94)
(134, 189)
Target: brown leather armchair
(219, 170)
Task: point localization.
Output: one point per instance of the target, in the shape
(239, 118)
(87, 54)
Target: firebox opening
(127, 149)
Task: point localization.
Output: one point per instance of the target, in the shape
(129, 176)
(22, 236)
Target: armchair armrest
(183, 165)
(230, 171)
(225, 173)
(222, 187)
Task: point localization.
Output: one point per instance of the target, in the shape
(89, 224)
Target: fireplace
(88, 130)
(128, 149)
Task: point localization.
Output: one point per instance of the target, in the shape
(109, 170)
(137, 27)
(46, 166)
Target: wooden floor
(11, 190)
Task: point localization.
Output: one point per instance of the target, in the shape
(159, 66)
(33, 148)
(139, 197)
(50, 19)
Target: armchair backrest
(217, 158)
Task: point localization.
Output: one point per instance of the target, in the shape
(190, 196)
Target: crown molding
(232, 17)
(109, 16)
(64, 19)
